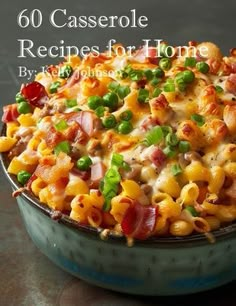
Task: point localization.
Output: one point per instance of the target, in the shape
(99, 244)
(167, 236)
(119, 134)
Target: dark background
(26, 276)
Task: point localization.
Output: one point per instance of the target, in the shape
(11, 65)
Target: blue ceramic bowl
(158, 266)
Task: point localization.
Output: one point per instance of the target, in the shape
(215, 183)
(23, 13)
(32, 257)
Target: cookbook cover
(118, 142)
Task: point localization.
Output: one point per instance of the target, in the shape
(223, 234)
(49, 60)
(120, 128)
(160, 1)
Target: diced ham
(87, 120)
(97, 173)
(230, 84)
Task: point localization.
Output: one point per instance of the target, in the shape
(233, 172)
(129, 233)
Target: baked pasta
(139, 145)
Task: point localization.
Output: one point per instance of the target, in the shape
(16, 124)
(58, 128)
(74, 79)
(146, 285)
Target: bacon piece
(230, 84)
(158, 157)
(139, 221)
(10, 113)
(53, 137)
(35, 94)
(76, 134)
(84, 175)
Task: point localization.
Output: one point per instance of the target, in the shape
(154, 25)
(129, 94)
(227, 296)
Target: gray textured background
(26, 276)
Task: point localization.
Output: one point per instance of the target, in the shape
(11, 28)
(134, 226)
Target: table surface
(27, 277)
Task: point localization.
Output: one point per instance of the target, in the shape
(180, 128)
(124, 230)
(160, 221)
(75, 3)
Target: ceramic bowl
(157, 266)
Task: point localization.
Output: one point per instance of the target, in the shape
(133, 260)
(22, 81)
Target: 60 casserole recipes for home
(147, 149)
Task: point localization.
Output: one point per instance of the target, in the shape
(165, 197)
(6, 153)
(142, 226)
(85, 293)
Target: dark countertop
(27, 277)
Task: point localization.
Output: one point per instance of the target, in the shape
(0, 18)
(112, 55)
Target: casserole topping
(138, 145)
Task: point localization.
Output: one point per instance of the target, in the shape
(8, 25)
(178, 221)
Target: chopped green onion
(94, 102)
(154, 136)
(156, 92)
(192, 211)
(184, 146)
(65, 71)
(63, 146)
(169, 151)
(99, 111)
(109, 122)
(84, 163)
(54, 86)
(122, 74)
(190, 62)
(23, 177)
(71, 103)
(123, 91)
(143, 95)
(166, 129)
(165, 63)
(125, 127)
(219, 89)
(202, 67)
(109, 186)
(126, 115)
(19, 98)
(169, 87)
(198, 119)
(23, 107)
(61, 125)
(117, 159)
(172, 139)
(136, 75)
(176, 169)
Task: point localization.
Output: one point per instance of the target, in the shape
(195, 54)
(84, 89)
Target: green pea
(202, 67)
(100, 111)
(109, 122)
(84, 163)
(148, 74)
(158, 73)
(54, 86)
(125, 127)
(23, 177)
(19, 98)
(188, 76)
(126, 115)
(111, 100)
(65, 71)
(94, 102)
(165, 63)
(23, 107)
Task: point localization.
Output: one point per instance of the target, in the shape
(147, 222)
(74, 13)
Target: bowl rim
(32, 200)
